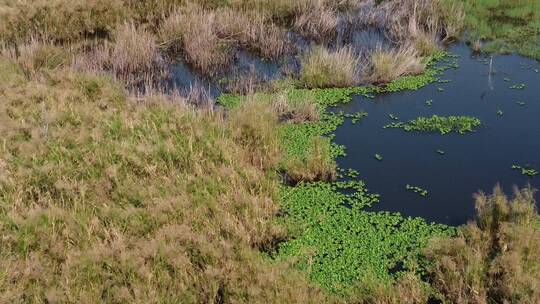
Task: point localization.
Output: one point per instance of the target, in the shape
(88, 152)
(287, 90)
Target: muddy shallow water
(471, 162)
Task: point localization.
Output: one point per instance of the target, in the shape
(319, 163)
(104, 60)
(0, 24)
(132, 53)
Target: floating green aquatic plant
(500, 113)
(441, 152)
(378, 157)
(417, 190)
(392, 116)
(356, 117)
(429, 102)
(519, 86)
(444, 80)
(521, 103)
(443, 125)
(341, 244)
(506, 79)
(352, 173)
(527, 170)
(440, 89)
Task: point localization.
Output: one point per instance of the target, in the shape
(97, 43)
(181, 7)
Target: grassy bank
(106, 200)
(504, 26)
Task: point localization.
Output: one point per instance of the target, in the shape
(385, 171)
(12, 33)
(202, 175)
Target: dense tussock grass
(390, 64)
(322, 68)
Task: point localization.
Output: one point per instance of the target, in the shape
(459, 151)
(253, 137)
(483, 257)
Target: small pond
(510, 134)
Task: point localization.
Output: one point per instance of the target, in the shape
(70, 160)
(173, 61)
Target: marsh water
(479, 87)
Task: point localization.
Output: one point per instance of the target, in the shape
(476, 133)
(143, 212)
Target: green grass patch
(508, 26)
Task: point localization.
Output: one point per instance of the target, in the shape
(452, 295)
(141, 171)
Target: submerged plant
(443, 125)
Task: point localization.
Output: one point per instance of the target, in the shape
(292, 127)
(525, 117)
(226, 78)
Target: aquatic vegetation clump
(519, 86)
(417, 190)
(443, 125)
(356, 117)
(340, 244)
(378, 157)
(526, 170)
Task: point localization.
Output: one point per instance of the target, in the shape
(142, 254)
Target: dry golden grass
(133, 58)
(253, 31)
(61, 20)
(36, 56)
(388, 65)
(323, 68)
(317, 21)
(493, 259)
(204, 49)
(103, 200)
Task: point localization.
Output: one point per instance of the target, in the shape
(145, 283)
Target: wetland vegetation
(120, 183)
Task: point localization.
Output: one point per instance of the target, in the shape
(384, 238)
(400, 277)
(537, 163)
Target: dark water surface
(472, 162)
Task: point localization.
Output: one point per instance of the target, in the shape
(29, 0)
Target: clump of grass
(435, 18)
(36, 56)
(443, 125)
(316, 21)
(204, 49)
(493, 259)
(322, 68)
(133, 57)
(388, 65)
(253, 31)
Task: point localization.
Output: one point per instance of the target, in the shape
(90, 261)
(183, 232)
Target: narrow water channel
(510, 134)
